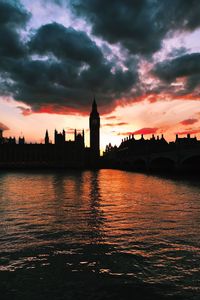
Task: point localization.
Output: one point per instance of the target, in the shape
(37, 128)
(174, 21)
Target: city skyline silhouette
(154, 154)
(99, 149)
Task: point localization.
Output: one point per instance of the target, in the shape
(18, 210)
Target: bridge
(177, 160)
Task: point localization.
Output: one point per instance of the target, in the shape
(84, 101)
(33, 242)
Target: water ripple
(111, 228)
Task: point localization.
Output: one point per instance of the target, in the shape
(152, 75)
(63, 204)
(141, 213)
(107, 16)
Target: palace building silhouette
(132, 154)
(62, 153)
(155, 154)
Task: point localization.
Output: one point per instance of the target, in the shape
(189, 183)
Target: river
(104, 234)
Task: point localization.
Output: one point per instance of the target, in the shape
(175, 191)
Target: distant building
(46, 138)
(65, 153)
(152, 145)
(186, 141)
(154, 154)
(62, 153)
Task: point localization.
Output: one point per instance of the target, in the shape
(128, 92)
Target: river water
(104, 234)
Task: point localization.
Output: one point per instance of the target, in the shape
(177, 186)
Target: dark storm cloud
(70, 70)
(193, 82)
(79, 71)
(11, 44)
(13, 15)
(59, 69)
(186, 65)
(138, 25)
(176, 52)
(66, 43)
(12, 18)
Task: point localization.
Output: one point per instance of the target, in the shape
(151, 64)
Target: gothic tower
(94, 131)
(46, 138)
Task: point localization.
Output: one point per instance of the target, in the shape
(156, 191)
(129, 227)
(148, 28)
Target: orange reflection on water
(107, 221)
(109, 206)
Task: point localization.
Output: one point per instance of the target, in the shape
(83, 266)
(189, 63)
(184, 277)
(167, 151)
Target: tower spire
(46, 137)
(94, 105)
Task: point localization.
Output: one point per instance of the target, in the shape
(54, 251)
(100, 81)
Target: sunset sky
(140, 58)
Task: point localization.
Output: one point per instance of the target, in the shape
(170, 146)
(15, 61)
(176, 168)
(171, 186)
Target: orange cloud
(193, 131)
(53, 109)
(189, 121)
(116, 124)
(110, 117)
(144, 131)
(109, 107)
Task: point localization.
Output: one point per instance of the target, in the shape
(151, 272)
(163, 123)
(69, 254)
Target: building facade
(62, 153)
(155, 154)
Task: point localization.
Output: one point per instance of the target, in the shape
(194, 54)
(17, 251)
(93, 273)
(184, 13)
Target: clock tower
(94, 132)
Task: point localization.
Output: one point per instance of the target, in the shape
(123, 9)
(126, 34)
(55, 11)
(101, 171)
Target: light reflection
(96, 215)
(107, 221)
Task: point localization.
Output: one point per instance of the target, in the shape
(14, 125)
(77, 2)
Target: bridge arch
(162, 164)
(191, 163)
